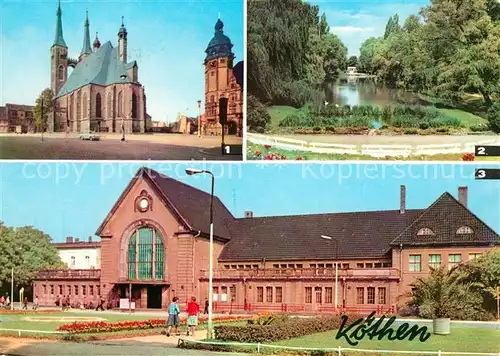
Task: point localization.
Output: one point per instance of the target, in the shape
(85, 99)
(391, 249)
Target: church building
(223, 79)
(102, 93)
(155, 245)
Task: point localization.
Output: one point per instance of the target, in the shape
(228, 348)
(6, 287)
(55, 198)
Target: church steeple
(86, 49)
(59, 39)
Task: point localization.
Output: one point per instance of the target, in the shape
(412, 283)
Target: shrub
(387, 114)
(493, 117)
(443, 130)
(411, 132)
(279, 331)
(479, 128)
(424, 125)
(257, 116)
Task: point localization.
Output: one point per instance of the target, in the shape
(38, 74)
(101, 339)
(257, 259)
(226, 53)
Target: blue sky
(167, 38)
(72, 199)
(355, 21)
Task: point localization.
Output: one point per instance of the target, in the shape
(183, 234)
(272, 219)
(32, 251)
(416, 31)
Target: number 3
(481, 173)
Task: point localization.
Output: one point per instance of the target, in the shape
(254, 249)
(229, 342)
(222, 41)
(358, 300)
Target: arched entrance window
(120, 104)
(110, 108)
(98, 105)
(134, 105)
(145, 255)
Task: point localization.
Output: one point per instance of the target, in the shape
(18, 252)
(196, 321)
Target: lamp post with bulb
(193, 171)
(199, 118)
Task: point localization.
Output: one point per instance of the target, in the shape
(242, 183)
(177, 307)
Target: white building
(78, 254)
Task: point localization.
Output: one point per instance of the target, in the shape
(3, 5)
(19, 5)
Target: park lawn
(279, 112)
(461, 339)
(311, 156)
(465, 117)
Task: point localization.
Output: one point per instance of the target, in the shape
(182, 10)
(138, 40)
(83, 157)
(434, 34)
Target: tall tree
(26, 250)
(352, 61)
(43, 109)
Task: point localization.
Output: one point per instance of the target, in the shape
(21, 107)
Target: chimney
(402, 200)
(248, 214)
(462, 196)
(69, 239)
(90, 238)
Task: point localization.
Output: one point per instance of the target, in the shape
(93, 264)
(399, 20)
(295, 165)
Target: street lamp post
(192, 171)
(199, 118)
(336, 267)
(123, 78)
(12, 289)
(41, 117)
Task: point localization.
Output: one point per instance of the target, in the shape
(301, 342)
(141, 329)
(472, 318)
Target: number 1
(227, 149)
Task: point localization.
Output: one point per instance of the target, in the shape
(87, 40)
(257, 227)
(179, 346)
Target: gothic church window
(60, 73)
(84, 105)
(120, 104)
(110, 108)
(98, 107)
(134, 105)
(78, 106)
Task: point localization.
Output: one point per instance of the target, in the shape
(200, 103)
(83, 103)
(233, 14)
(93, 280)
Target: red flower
(298, 158)
(468, 157)
(267, 146)
(258, 153)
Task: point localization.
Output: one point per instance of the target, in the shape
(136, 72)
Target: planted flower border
(102, 326)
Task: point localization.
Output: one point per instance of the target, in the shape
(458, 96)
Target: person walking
(100, 302)
(206, 307)
(25, 303)
(35, 304)
(193, 309)
(7, 301)
(173, 316)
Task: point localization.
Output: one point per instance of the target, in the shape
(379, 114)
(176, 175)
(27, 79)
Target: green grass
(461, 339)
(466, 118)
(278, 113)
(311, 156)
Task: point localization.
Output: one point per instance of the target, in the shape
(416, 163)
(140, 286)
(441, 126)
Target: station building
(155, 244)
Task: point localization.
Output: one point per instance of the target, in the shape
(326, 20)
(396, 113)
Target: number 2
(481, 151)
(227, 149)
(481, 173)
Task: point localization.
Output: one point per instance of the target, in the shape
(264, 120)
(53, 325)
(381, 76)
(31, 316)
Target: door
(154, 297)
(233, 128)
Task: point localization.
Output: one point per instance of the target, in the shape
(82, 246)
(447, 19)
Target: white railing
(19, 331)
(338, 350)
(368, 150)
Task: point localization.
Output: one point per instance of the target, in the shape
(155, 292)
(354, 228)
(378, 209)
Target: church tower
(59, 57)
(122, 43)
(218, 71)
(86, 49)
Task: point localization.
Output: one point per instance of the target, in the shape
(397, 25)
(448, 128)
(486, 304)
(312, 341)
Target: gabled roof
(444, 217)
(298, 237)
(102, 67)
(189, 205)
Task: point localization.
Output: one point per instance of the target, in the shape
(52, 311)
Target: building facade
(155, 245)
(103, 92)
(223, 79)
(17, 118)
(80, 255)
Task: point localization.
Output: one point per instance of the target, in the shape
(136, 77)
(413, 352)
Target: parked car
(91, 136)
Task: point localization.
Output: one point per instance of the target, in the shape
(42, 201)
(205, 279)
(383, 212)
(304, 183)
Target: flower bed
(288, 329)
(102, 326)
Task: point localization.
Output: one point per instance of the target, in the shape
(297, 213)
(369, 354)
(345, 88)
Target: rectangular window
(255, 266)
(69, 289)
(277, 266)
(283, 266)
(300, 265)
(279, 294)
(61, 289)
(223, 294)
(269, 294)
(91, 290)
(76, 290)
(360, 295)
(381, 295)
(241, 266)
(309, 295)
(360, 265)
(52, 289)
(386, 264)
(313, 265)
(378, 265)
(370, 292)
(73, 260)
(260, 294)
(291, 265)
(328, 295)
(84, 290)
(434, 261)
(454, 260)
(248, 266)
(232, 292)
(345, 265)
(473, 256)
(234, 267)
(319, 294)
(215, 294)
(415, 263)
(369, 265)
(226, 266)
(98, 289)
(329, 265)
(44, 289)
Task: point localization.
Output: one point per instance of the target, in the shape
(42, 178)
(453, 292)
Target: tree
(494, 117)
(257, 116)
(493, 8)
(352, 61)
(367, 52)
(43, 108)
(447, 294)
(27, 250)
(485, 270)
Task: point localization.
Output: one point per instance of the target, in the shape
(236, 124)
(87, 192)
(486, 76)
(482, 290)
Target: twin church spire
(86, 48)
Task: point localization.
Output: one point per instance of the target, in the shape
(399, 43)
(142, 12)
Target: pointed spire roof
(97, 43)
(86, 49)
(123, 30)
(59, 39)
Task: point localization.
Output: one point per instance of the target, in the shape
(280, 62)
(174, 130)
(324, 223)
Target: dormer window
(425, 232)
(464, 230)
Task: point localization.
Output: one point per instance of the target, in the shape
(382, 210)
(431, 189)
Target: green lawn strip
(292, 155)
(465, 117)
(278, 113)
(461, 339)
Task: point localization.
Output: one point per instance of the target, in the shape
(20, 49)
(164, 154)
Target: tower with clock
(222, 80)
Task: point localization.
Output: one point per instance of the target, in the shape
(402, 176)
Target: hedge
(295, 327)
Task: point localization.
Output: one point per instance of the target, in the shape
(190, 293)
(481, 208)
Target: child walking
(193, 309)
(173, 316)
